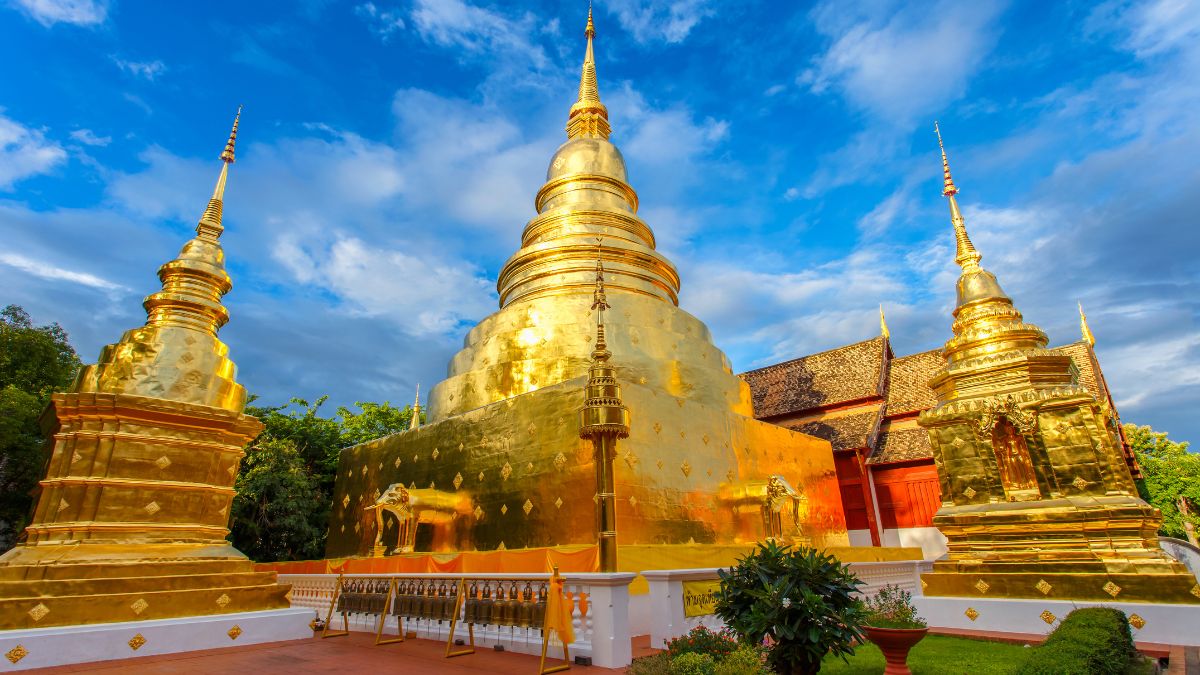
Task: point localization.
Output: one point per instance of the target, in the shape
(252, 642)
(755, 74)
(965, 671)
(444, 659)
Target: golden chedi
(1037, 498)
(500, 462)
(131, 519)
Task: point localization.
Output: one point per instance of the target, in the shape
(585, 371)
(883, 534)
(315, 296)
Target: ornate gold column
(603, 419)
(131, 520)
(1037, 499)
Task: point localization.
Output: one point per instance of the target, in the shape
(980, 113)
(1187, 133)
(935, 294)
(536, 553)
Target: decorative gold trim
(16, 654)
(38, 612)
(971, 613)
(1137, 621)
(1048, 616)
(139, 606)
(1112, 589)
(1043, 587)
(135, 643)
(982, 586)
(234, 632)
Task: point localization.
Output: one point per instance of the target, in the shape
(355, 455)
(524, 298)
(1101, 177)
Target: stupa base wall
(66, 645)
(1159, 622)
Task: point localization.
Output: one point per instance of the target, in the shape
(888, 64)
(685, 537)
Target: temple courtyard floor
(357, 652)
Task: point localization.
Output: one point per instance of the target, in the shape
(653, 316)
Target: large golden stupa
(131, 518)
(1037, 498)
(501, 463)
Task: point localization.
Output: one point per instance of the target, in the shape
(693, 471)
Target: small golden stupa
(132, 516)
(501, 464)
(1037, 498)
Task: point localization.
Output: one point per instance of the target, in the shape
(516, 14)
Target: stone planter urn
(895, 644)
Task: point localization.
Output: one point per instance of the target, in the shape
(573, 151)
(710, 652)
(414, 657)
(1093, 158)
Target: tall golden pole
(603, 419)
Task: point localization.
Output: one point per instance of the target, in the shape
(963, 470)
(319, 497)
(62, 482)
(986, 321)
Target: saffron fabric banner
(700, 597)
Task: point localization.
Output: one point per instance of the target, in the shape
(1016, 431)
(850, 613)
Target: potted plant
(893, 625)
(800, 602)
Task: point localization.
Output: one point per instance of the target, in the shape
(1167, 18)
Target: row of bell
(516, 608)
(436, 600)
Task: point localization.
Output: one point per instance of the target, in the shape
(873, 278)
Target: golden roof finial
(227, 154)
(965, 254)
(600, 303)
(210, 227)
(603, 413)
(883, 327)
(1083, 327)
(588, 115)
(416, 410)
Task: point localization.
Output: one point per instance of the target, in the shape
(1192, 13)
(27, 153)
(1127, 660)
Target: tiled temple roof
(901, 445)
(1078, 351)
(848, 432)
(908, 382)
(849, 373)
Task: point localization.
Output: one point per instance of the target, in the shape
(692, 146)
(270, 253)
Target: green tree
(1169, 472)
(34, 362)
(277, 506)
(304, 464)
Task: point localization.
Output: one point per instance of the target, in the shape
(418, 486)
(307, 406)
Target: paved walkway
(353, 653)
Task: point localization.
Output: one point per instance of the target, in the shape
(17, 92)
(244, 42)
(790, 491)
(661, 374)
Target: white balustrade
(668, 619)
(599, 613)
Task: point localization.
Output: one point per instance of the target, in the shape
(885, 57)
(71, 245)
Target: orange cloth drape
(558, 612)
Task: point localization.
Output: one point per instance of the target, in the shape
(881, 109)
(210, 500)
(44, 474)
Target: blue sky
(784, 154)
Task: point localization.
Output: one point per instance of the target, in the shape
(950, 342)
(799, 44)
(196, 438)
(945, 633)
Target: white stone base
(1169, 624)
(65, 645)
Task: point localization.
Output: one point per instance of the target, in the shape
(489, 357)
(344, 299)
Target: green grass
(937, 655)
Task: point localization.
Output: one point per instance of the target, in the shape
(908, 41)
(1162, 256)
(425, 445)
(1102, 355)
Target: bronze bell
(514, 604)
(539, 609)
(484, 615)
(452, 610)
(471, 603)
(502, 611)
(439, 605)
(525, 610)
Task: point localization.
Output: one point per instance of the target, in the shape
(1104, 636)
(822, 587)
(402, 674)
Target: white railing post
(608, 609)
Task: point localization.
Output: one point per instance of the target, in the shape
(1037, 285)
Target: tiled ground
(353, 653)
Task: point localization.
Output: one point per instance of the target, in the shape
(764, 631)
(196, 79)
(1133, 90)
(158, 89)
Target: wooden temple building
(865, 400)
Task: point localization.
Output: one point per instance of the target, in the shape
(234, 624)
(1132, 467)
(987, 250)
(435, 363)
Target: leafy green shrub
(1090, 641)
(801, 601)
(658, 664)
(701, 640)
(745, 660)
(892, 607)
(693, 663)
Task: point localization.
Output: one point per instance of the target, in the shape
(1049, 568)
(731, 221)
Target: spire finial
(227, 154)
(883, 327)
(588, 115)
(965, 254)
(1084, 329)
(416, 410)
(600, 303)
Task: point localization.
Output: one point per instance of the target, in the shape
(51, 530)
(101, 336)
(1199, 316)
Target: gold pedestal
(131, 520)
(1076, 548)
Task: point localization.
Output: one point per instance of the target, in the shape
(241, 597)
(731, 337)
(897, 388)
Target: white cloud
(669, 21)
(423, 294)
(147, 70)
(475, 30)
(1149, 28)
(25, 152)
(45, 270)
(88, 137)
(901, 61)
(77, 12)
(381, 22)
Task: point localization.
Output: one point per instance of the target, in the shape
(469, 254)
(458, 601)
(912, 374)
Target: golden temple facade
(501, 464)
(1038, 500)
(131, 519)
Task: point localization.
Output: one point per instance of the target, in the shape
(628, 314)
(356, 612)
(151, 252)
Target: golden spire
(965, 254)
(1083, 327)
(210, 227)
(416, 411)
(588, 115)
(603, 412)
(883, 327)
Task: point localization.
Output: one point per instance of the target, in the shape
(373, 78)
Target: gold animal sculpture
(412, 507)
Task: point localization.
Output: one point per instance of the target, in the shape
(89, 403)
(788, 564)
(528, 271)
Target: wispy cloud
(25, 152)
(897, 62)
(147, 70)
(669, 21)
(381, 22)
(88, 137)
(476, 30)
(75, 12)
(47, 271)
